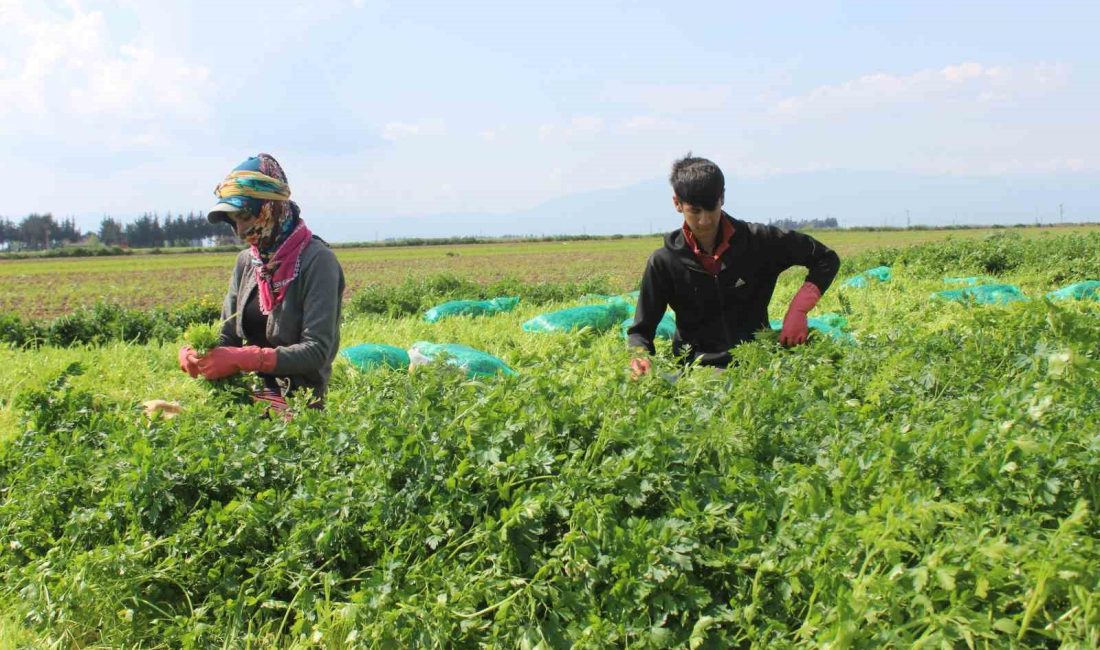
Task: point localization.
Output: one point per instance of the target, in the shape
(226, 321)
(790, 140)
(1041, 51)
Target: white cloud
(671, 98)
(394, 131)
(67, 71)
(584, 126)
(124, 85)
(963, 82)
(640, 123)
(489, 135)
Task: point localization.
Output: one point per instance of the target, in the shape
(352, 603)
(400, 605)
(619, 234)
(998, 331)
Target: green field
(934, 484)
(52, 287)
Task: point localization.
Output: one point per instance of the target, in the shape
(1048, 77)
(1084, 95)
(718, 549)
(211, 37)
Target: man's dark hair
(697, 181)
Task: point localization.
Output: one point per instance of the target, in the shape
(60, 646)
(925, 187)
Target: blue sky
(387, 112)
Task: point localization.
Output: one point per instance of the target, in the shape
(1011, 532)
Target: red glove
(189, 363)
(225, 362)
(795, 325)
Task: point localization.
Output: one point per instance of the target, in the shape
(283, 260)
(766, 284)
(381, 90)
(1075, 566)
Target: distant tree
(793, 224)
(67, 231)
(157, 232)
(175, 231)
(36, 230)
(9, 232)
(110, 232)
(139, 233)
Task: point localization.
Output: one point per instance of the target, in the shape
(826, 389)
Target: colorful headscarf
(253, 184)
(259, 186)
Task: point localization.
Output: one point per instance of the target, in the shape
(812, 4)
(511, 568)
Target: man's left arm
(792, 248)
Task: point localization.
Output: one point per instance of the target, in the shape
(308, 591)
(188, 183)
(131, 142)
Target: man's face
(703, 223)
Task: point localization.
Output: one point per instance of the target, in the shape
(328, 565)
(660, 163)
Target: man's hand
(224, 362)
(640, 366)
(796, 327)
(189, 362)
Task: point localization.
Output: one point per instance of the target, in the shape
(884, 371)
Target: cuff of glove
(806, 298)
(260, 360)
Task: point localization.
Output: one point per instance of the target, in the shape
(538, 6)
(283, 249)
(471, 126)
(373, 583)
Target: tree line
(43, 231)
(796, 224)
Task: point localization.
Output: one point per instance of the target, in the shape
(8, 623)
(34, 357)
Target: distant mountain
(854, 198)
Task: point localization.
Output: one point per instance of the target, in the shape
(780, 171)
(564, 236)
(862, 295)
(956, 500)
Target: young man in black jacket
(718, 274)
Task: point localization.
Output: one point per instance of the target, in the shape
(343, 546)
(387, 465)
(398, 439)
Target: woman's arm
(228, 337)
(323, 288)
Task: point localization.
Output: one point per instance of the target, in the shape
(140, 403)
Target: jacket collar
(683, 250)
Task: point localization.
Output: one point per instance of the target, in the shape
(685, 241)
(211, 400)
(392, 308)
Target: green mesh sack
(470, 308)
(1087, 290)
(596, 297)
(665, 329)
(474, 362)
(595, 317)
(830, 319)
(376, 355)
(879, 274)
(983, 294)
(971, 281)
(627, 299)
(824, 324)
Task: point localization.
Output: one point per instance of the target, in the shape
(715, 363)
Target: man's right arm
(652, 303)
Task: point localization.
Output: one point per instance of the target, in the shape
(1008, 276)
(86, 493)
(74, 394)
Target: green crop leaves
(936, 485)
(202, 337)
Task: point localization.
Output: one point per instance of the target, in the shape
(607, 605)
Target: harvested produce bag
(983, 294)
(665, 329)
(470, 308)
(474, 362)
(1087, 290)
(596, 317)
(369, 356)
(831, 324)
(879, 274)
(971, 281)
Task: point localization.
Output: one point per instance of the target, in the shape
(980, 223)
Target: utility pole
(907, 223)
(1061, 213)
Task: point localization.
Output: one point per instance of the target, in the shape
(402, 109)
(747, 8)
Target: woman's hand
(225, 362)
(189, 362)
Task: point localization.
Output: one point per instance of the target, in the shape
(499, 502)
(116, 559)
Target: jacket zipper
(722, 309)
(721, 304)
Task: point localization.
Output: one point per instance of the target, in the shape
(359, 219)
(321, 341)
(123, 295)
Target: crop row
(937, 484)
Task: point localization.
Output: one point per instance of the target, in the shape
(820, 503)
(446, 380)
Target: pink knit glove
(796, 327)
(226, 362)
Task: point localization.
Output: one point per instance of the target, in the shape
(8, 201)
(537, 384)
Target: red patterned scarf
(282, 267)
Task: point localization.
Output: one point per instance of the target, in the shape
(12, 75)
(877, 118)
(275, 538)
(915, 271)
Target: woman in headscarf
(281, 316)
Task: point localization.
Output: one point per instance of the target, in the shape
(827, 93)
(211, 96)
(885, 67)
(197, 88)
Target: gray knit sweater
(305, 327)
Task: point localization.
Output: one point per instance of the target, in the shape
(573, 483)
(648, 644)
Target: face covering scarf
(280, 234)
(276, 271)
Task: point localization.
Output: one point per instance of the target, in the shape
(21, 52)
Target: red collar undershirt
(711, 261)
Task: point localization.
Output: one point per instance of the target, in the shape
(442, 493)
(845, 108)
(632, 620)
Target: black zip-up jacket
(717, 312)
